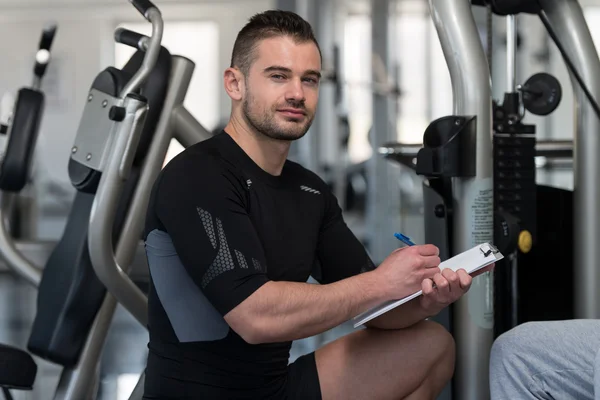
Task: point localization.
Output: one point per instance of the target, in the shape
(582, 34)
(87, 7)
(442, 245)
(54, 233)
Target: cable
(490, 34)
(568, 61)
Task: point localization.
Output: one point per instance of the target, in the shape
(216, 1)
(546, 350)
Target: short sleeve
(340, 254)
(202, 208)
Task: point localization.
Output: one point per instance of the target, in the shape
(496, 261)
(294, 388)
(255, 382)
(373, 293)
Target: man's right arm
(282, 311)
(285, 311)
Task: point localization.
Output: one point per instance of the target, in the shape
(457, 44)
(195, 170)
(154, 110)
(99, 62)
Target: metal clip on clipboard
(488, 248)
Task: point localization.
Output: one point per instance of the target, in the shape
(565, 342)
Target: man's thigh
(550, 359)
(385, 364)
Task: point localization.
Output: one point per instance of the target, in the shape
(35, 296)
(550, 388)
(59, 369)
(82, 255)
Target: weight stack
(515, 229)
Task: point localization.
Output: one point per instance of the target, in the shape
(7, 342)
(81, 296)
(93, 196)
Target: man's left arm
(449, 287)
(342, 255)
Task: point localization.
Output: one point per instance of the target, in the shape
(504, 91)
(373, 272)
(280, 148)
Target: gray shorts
(547, 360)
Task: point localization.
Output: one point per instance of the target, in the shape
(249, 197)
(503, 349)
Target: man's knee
(440, 344)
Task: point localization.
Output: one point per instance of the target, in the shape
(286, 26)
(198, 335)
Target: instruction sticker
(480, 296)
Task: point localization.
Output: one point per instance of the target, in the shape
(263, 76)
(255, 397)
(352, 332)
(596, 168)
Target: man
(547, 360)
(233, 233)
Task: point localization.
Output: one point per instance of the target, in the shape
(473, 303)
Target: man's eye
(277, 76)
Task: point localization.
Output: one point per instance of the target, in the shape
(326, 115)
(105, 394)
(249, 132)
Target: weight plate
(541, 94)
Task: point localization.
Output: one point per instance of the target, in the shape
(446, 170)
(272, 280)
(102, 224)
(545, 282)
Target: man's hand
(449, 287)
(403, 271)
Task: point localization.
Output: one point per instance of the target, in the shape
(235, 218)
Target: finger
(452, 278)
(443, 287)
(429, 273)
(431, 261)
(427, 287)
(465, 279)
(427, 250)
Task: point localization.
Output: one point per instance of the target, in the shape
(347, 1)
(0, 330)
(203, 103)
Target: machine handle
(42, 57)
(132, 39)
(47, 37)
(153, 49)
(143, 6)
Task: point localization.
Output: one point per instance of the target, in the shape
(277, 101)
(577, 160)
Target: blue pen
(404, 239)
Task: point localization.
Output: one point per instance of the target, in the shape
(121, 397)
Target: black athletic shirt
(218, 227)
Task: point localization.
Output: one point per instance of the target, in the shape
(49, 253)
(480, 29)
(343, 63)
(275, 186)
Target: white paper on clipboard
(471, 261)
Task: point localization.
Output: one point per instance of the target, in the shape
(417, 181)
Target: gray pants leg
(547, 360)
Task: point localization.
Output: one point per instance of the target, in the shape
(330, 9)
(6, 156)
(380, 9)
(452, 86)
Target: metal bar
(543, 148)
(152, 53)
(329, 107)
(511, 53)
(552, 164)
(100, 243)
(554, 148)
(37, 83)
(568, 21)
(13, 257)
(80, 381)
(109, 271)
(473, 314)
(383, 205)
(188, 131)
(181, 75)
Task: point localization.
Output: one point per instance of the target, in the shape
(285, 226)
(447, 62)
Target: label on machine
(482, 212)
(481, 226)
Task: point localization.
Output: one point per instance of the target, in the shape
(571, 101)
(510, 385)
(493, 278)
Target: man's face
(282, 88)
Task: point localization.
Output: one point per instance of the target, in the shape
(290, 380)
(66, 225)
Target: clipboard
(471, 261)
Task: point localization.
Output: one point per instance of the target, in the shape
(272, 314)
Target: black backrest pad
(70, 294)
(21, 142)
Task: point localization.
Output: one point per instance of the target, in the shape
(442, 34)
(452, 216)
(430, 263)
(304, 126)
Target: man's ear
(233, 81)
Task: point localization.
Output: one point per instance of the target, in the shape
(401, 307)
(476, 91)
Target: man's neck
(269, 154)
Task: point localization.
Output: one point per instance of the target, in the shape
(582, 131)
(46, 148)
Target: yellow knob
(525, 241)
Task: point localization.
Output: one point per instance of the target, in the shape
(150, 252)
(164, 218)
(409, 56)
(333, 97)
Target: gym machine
(479, 169)
(21, 128)
(124, 108)
(112, 264)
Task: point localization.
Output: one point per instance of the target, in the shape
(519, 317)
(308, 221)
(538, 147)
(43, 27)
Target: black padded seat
(17, 368)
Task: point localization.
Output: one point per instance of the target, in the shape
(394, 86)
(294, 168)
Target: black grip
(142, 6)
(128, 38)
(44, 47)
(47, 37)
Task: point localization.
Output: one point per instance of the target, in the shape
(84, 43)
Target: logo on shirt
(309, 190)
(223, 261)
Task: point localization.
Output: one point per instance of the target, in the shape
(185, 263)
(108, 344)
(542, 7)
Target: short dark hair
(268, 24)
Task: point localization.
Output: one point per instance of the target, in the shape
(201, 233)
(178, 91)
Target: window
(423, 75)
(357, 74)
(199, 42)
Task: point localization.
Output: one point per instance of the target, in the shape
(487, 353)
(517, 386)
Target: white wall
(84, 46)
